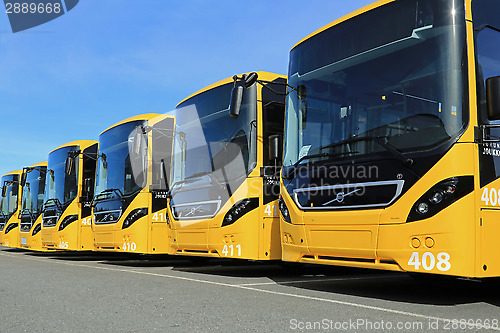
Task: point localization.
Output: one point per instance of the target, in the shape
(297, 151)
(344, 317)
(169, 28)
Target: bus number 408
(428, 261)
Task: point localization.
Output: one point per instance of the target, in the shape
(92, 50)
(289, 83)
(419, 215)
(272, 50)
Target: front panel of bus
(129, 213)
(30, 236)
(9, 204)
(67, 211)
(217, 186)
(379, 163)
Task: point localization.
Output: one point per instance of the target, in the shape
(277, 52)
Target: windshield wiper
(188, 180)
(56, 202)
(107, 192)
(290, 172)
(22, 212)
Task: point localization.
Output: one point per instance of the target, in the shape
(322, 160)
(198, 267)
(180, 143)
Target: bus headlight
(67, 221)
(134, 216)
(285, 214)
(37, 229)
(440, 196)
(239, 209)
(422, 208)
(436, 198)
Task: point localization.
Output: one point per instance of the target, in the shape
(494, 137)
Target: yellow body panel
(29, 241)
(78, 235)
(149, 234)
(9, 236)
(253, 236)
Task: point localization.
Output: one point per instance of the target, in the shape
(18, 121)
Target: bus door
(162, 137)
(487, 41)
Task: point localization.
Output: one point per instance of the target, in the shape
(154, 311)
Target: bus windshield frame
(117, 170)
(8, 204)
(61, 188)
(399, 83)
(33, 191)
(210, 146)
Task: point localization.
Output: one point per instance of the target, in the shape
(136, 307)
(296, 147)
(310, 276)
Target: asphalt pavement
(92, 292)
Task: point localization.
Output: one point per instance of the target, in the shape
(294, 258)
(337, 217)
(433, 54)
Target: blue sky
(107, 60)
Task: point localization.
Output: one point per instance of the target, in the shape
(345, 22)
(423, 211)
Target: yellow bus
(30, 215)
(9, 208)
(69, 189)
(391, 157)
(129, 208)
(224, 187)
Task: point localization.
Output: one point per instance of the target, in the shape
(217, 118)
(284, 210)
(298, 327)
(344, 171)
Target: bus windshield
(33, 191)
(8, 204)
(60, 187)
(209, 145)
(372, 82)
(115, 171)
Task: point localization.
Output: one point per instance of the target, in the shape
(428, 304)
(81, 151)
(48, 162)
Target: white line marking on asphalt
(317, 280)
(278, 293)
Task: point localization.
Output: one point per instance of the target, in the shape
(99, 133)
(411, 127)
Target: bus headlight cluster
(239, 209)
(285, 214)
(441, 196)
(134, 216)
(37, 229)
(67, 221)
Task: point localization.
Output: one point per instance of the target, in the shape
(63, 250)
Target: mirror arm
(93, 156)
(482, 133)
(263, 84)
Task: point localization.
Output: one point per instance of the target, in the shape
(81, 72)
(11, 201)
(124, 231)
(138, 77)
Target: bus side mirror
(68, 167)
(274, 147)
(236, 99)
(137, 144)
(250, 79)
(88, 185)
(493, 97)
(162, 172)
(240, 84)
(23, 178)
(4, 191)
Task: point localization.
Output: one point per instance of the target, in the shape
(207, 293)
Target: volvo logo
(341, 196)
(193, 211)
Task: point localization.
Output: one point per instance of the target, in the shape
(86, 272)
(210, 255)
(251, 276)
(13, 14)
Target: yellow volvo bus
(129, 208)
(392, 151)
(69, 189)
(30, 215)
(224, 187)
(9, 208)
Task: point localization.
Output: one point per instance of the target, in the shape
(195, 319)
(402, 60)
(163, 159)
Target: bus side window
(274, 121)
(273, 114)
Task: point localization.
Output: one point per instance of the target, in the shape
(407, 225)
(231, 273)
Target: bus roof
(39, 164)
(16, 172)
(82, 143)
(346, 17)
(267, 76)
(144, 116)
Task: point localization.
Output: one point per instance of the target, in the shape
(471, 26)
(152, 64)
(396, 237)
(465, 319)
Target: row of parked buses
(386, 156)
